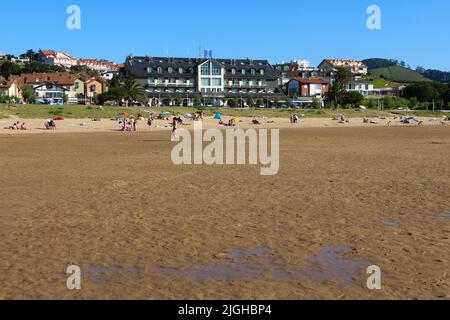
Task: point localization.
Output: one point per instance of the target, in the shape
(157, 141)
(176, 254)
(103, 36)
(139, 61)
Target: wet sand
(140, 227)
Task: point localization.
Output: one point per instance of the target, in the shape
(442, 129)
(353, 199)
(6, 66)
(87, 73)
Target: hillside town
(59, 78)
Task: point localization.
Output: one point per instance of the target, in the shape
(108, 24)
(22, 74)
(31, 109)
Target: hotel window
(149, 70)
(216, 69)
(261, 72)
(170, 70)
(191, 70)
(150, 80)
(235, 90)
(180, 70)
(243, 71)
(160, 70)
(172, 80)
(92, 88)
(205, 70)
(206, 82)
(233, 71)
(253, 72)
(76, 86)
(216, 82)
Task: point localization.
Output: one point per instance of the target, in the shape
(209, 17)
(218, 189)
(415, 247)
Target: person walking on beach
(175, 136)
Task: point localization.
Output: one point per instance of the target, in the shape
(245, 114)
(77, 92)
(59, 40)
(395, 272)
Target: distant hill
(398, 74)
(375, 63)
(435, 75)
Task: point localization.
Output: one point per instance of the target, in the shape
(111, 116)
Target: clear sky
(416, 31)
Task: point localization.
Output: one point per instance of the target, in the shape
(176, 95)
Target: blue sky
(415, 31)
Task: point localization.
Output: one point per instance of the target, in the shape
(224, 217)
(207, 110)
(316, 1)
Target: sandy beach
(109, 125)
(141, 227)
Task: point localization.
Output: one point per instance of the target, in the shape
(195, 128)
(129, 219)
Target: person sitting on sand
(256, 121)
(23, 126)
(15, 126)
(342, 119)
(50, 124)
(365, 120)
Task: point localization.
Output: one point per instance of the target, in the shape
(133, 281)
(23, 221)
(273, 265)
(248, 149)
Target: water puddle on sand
(98, 275)
(330, 264)
(445, 215)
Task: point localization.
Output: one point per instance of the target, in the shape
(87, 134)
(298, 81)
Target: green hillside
(398, 74)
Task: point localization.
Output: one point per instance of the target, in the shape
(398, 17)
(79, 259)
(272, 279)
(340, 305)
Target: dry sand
(140, 227)
(108, 125)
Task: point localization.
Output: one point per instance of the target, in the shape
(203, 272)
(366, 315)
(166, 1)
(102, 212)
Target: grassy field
(83, 112)
(398, 74)
(379, 83)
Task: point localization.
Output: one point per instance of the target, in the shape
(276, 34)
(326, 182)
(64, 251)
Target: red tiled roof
(57, 78)
(310, 80)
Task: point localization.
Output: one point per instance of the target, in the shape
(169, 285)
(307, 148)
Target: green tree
(8, 69)
(250, 101)
(341, 79)
(178, 100)
(423, 91)
(233, 103)
(412, 103)
(260, 102)
(316, 103)
(134, 92)
(371, 104)
(198, 100)
(28, 94)
(276, 102)
(352, 97)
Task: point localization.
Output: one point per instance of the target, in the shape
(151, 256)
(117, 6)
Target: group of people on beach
(294, 119)
(17, 126)
(128, 124)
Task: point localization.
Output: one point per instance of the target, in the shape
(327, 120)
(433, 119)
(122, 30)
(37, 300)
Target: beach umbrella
(218, 116)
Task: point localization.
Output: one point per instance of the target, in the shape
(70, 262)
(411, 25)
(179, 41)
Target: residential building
(357, 67)
(99, 65)
(3, 56)
(50, 85)
(308, 87)
(307, 90)
(293, 69)
(57, 58)
(216, 81)
(363, 87)
(10, 87)
(87, 87)
(109, 75)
